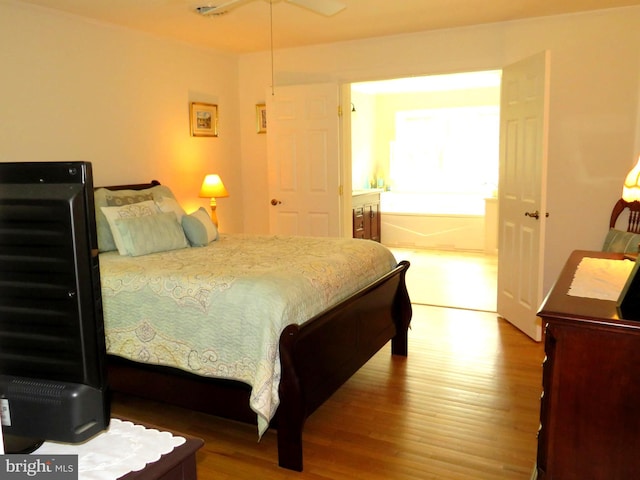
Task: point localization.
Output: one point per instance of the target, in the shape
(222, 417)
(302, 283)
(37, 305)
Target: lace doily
(123, 448)
(600, 278)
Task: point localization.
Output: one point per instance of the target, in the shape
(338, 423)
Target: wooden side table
(180, 464)
(129, 444)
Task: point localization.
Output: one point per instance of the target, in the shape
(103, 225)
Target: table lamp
(212, 187)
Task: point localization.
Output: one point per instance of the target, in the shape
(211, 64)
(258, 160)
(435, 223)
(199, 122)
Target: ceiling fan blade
(323, 7)
(219, 9)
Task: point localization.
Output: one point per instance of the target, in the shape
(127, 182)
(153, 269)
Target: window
(450, 153)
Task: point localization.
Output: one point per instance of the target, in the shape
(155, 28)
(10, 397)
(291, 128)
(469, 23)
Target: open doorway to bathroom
(432, 144)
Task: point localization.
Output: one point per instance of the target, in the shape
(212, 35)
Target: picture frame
(261, 118)
(203, 119)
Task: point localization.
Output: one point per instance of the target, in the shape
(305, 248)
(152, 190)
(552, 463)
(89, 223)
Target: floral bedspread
(219, 310)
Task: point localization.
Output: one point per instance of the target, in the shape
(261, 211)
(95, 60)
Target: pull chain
(271, 32)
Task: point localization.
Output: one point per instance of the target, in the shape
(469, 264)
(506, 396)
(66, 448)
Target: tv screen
(53, 382)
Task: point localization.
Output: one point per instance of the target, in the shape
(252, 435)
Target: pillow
(104, 198)
(199, 228)
(168, 204)
(140, 209)
(621, 242)
(150, 234)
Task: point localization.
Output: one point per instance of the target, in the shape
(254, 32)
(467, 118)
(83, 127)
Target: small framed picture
(203, 119)
(261, 118)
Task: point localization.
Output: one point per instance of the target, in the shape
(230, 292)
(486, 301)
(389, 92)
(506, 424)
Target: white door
(303, 151)
(522, 191)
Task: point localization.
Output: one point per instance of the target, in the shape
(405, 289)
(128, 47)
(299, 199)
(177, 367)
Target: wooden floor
(463, 405)
(451, 279)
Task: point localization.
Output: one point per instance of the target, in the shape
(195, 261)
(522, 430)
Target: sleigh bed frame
(316, 359)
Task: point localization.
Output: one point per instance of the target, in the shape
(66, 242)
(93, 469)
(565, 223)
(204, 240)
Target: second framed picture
(261, 118)
(203, 119)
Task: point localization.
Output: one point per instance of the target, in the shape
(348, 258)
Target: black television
(53, 377)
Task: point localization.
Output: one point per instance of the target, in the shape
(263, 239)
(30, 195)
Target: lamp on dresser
(631, 187)
(212, 187)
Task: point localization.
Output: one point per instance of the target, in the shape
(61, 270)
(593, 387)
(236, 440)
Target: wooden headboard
(634, 215)
(133, 186)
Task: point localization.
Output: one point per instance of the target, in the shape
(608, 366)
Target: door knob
(535, 214)
(275, 202)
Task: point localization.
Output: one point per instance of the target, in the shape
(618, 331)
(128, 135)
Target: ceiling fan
(323, 7)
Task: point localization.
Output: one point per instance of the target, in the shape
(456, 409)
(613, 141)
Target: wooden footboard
(319, 356)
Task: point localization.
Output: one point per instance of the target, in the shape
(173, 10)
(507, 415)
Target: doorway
(432, 144)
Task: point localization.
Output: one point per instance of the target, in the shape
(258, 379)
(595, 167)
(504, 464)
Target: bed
(316, 338)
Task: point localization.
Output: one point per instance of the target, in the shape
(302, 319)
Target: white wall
(362, 140)
(72, 89)
(595, 77)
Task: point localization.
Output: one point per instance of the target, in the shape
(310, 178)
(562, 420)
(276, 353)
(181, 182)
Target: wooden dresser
(590, 407)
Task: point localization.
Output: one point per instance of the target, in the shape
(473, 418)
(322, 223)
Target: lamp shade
(631, 188)
(212, 187)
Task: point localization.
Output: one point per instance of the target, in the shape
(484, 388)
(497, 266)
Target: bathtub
(452, 223)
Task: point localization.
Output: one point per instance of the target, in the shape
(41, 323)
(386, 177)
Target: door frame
(346, 226)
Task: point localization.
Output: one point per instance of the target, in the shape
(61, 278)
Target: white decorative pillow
(151, 234)
(126, 211)
(199, 228)
(168, 204)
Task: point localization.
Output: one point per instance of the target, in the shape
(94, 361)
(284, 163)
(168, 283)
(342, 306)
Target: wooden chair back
(634, 215)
